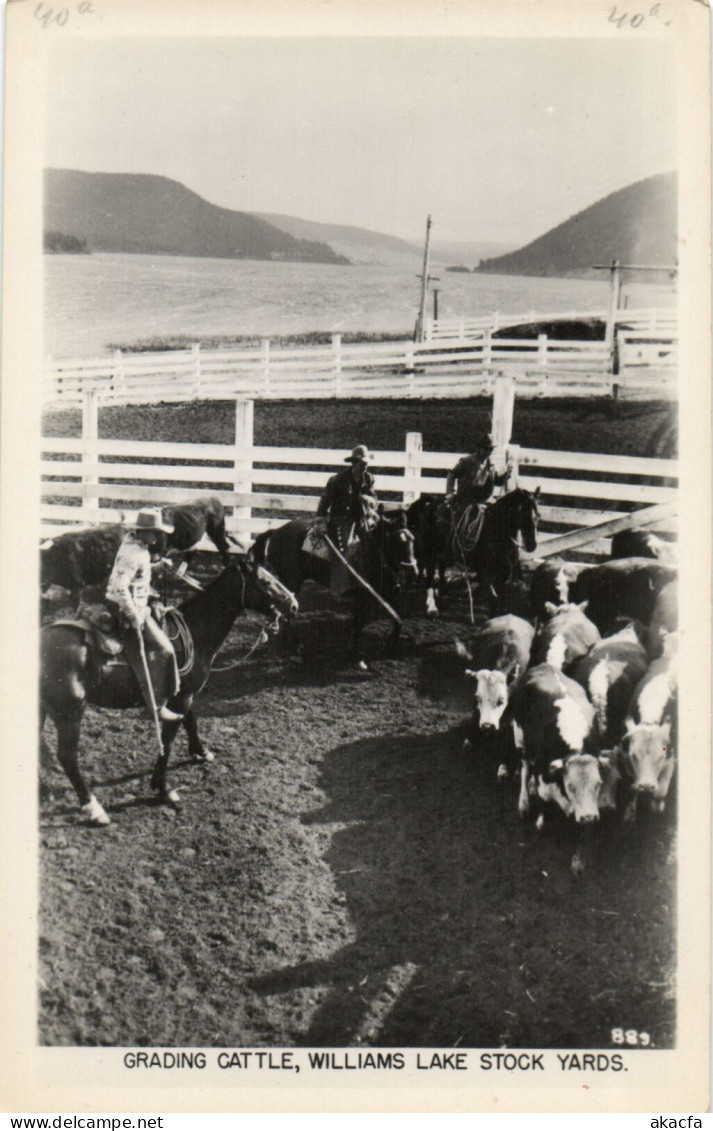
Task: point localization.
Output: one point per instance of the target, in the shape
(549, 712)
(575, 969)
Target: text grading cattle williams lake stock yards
(549, 1063)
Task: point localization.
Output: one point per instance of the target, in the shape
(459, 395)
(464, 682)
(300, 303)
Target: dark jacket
(345, 500)
(477, 479)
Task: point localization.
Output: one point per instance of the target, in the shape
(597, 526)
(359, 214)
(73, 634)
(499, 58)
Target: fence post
(243, 467)
(337, 363)
(410, 367)
(487, 349)
(196, 368)
(541, 351)
(265, 363)
(412, 470)
(503, 410)
(90, 446)
(119, 382)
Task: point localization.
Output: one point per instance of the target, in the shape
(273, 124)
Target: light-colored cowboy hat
(361, 453)
(150, 518)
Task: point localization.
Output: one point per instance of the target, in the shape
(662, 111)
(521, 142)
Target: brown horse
(387, 557)
(73, 672)
(495, 557)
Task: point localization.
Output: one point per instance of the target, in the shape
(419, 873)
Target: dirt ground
(344, 873)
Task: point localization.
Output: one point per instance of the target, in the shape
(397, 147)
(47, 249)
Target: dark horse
(73, 672)
(494, 557)
(387, 556)
(85, 557)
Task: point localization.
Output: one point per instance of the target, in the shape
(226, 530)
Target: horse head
(263, 592)
(396, 543)
(525, 515)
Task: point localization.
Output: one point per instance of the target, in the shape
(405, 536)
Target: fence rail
(89, 480)
(653, 320)
(457, 367)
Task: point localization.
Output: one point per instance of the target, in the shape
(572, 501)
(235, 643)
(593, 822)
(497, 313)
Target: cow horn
(556, 764)
(47, 545)
(470, 674)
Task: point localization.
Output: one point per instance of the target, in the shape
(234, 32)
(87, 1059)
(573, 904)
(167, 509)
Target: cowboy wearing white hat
(347, 511)
(127, 595)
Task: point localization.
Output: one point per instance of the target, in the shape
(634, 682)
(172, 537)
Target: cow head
(647, 757)
(581, 781)
(491, 694)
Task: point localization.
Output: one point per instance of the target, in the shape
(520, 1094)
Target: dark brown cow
(82, 558)
(625, 587)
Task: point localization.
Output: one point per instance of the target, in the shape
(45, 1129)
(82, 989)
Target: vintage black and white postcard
(356, 431)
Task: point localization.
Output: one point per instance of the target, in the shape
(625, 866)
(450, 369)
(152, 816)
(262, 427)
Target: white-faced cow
(499, 654)
(625, 587)
(609, 673)
(551, 582)
(566, 634)
(554, 731)
(648, 743)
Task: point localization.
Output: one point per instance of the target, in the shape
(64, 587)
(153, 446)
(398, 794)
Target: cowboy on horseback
(347, 513)
(477, 478)
(127, 597)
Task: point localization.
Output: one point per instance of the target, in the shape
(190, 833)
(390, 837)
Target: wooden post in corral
(90, 447)
(265, 364)
(503, 411)
(337, 363)
(243, 468)
(412, 469)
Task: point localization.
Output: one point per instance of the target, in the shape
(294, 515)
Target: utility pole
(436, 293)
(424, 277)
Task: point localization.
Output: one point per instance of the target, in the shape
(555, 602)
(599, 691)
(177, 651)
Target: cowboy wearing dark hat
(347, 509)
(475, 475)
(127, 597)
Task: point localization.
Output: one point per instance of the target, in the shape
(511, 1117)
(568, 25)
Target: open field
(343, 874)
(637, 429)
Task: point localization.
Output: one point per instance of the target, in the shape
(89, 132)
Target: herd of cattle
(579, 699)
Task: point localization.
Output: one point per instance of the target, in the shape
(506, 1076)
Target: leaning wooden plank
(638, 520)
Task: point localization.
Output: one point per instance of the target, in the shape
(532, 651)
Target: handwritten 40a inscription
(49, 16)
(638, 19)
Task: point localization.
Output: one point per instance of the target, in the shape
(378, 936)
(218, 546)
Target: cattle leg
(169, 730)
(68, 729)
(196, 748)
(523, 801)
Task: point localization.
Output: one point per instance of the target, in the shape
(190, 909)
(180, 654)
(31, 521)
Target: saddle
(101, 633)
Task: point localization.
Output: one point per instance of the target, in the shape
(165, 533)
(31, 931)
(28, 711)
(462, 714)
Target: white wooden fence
(86, 480)
(652, 321)
(455, 368)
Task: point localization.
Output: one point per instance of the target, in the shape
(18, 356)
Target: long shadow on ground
(469, 929)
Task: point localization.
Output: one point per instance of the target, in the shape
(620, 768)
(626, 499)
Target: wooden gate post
(243, 468)
(90, 447)
(503, 410)
(412, 470)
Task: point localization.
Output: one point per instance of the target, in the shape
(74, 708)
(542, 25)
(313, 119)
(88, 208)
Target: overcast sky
(498, 139)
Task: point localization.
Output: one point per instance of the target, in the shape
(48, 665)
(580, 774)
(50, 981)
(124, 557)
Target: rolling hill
(636, 225)
(127, 212)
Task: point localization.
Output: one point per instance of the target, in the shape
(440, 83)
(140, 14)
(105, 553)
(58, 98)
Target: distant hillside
(154, 215)
(637, 224)
(359, 245)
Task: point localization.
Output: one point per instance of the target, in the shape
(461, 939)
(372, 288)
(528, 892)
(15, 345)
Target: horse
(388, 555)
(495, 557)
(81, 558)
(74, 673)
